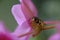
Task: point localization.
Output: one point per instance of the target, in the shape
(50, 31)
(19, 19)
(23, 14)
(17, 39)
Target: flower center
(5, 37)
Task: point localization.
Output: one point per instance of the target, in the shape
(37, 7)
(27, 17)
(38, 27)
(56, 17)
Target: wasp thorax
(37, 22)
(37, 25)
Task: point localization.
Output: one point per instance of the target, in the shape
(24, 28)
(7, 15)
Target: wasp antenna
(48, 27)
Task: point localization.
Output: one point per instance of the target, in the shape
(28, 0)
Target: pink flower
(5, 34)
(56, 36)
(22, 13)
(23, 27)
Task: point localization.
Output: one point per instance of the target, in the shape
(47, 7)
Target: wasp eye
(37, 21)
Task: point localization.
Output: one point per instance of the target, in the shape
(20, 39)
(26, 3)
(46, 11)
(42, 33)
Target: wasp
(38, 25)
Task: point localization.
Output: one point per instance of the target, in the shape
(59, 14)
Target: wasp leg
(22, 35)
(52, 22)
(48, 27)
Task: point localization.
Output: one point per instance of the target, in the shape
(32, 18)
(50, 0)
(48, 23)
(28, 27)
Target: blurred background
(47, 10)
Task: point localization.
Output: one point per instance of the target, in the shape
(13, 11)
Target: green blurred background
(47, 10)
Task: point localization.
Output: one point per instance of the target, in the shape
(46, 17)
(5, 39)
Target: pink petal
(57, 27)
(8, 36)
(22, 29)
(28, 8)
(31, 6)
(2, 27)
(18, 14)
(4, 33)
(15, 37)
(4, 36)
(21, 13)
(54, 37)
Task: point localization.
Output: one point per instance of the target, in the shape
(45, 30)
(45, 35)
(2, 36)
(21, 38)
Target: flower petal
(4, 36)
(2, 27)
(23, 26)
(55, 37)
(31, 6)
(57, 27)
(4, 33)
(22, 29)
(28, 8)
(18, 14)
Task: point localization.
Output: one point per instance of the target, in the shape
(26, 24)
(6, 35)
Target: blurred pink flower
(56, 36)
(22, 13)
(5, 34)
